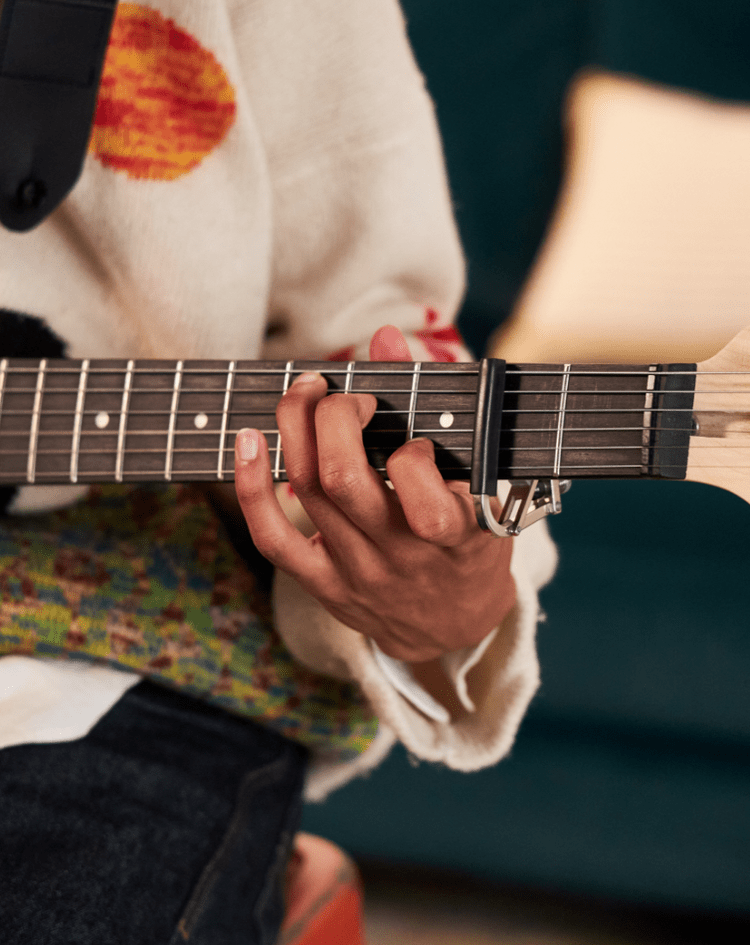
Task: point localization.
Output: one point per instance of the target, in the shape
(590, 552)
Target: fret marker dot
(200, 421)
(102, 420)
(446, 420)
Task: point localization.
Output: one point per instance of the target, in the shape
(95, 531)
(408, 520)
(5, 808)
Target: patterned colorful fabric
(165, 102)
(144, 578)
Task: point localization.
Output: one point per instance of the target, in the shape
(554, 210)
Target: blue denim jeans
(170, 822)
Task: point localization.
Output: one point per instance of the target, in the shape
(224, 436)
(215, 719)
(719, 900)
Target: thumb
(389, 344)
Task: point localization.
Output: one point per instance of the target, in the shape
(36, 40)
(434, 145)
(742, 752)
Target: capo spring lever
(528, 501)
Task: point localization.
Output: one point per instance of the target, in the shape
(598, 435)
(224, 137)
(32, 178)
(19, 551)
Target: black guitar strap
(51, 58)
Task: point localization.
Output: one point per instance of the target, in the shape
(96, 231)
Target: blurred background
(623, 813)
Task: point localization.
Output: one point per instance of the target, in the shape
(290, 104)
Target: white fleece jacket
(265, 180)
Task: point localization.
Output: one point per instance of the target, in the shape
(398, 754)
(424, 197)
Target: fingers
(434, 511)
(327, 465)
(328, 468)
(347, 500)
(272, 532)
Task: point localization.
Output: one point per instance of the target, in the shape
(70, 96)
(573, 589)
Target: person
(264, 179)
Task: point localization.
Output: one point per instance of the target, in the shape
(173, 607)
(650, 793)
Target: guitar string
(372, 431)
(516, 469)
(454, 430)
(460, 395)
(444, 406)
(449, 448)
(619, 471)
(245, 419)
(363, 368)
(377, 368)
(443, 409)
(369, 446)
(567, 464)
(428, 368)
(244, 422)
(72, 391)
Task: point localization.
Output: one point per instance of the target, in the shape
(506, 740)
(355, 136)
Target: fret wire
(413, 401)
(225, 417)
(648, 412)
(349, 377)
(3, 374)
(287, 380)
(172, 421)
(561, 418)
(120, 460)
(34, 433)
(78, 422)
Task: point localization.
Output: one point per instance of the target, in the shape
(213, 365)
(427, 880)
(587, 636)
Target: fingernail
(247, 445)
(306, 378)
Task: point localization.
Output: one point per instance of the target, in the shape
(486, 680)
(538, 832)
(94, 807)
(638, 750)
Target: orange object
(164, 102)
(324, 896)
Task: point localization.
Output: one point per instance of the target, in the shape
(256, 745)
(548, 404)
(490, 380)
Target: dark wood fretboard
(113, 420)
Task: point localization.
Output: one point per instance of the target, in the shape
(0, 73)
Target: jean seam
(212, 871)
(281, 857)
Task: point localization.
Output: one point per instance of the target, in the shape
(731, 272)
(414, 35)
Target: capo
(528, 501)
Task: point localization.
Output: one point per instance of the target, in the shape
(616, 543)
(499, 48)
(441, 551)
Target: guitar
(85, 421)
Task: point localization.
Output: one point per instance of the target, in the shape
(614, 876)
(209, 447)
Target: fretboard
(599, 421)
(70, 421)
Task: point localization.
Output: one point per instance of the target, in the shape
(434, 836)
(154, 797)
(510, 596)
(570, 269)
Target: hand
(407, 566)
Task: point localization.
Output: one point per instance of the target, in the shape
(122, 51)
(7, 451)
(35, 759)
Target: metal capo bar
(528, 501)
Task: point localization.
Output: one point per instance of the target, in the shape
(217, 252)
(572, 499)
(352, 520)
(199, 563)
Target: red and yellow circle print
(164, 101)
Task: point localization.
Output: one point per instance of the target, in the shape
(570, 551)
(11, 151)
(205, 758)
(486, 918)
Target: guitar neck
(80, 421)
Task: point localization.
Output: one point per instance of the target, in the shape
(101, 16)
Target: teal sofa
(630, 779)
